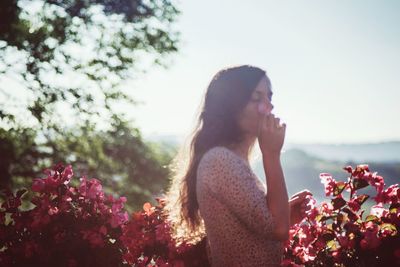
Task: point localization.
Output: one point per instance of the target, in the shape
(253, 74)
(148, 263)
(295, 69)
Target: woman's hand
(271, 134)
(297, 206)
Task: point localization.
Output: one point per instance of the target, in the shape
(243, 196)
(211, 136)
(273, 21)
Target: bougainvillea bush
(68, 226)
(148, 242)
(81, 226)
(341, 233)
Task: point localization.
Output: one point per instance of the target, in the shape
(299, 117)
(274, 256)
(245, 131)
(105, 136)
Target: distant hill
(302, 164)
(302, 171)
(377, 152)
(367, 152)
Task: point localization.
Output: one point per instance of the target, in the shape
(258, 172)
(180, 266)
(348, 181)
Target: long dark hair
(227, 94)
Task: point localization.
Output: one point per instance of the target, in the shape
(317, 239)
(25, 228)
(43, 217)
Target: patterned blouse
(232, 203)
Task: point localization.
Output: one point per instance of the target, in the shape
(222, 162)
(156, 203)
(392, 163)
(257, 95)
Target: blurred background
(113, 87)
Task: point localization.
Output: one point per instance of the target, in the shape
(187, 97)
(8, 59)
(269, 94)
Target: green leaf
(324, 218)
(362, 198)
(352, 215)
(390, 227)
(332, 245)
(393, 210)
(319, 217)
(359, 183)
(328, 235)
(340, 186)
(338, 202)
(394, 206)
(371, 218)
(339, 219)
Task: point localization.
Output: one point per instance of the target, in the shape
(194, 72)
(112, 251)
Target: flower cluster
(68, 226)
(148, 242)
(79, 225)
(338, 233)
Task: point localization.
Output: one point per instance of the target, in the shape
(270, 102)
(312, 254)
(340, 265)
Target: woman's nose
(265, 107)
(270, 106)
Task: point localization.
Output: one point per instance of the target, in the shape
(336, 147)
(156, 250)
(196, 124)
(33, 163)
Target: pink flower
(91, 189)
(343, 240)
(12, 203)
(336, 255)
(374, 180)
(329, 183)
(349, 169)
(94, 238)
(38, 185)
(53, 210)
(354, 205)
(378, 210)
(148, 208)
(327, 207)
(67, 174)
(312, 213)
(360, 170)
(370, 240)
(390, 195)
(118, 204)
(62, 218)
(118, 219)
(95, 189)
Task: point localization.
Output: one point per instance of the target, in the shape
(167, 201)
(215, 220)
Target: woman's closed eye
(258, 99)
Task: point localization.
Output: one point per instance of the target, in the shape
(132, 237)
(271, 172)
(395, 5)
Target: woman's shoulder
(216, 153)
(220, 156)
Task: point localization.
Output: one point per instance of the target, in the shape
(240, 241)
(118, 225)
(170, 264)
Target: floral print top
(232, 203)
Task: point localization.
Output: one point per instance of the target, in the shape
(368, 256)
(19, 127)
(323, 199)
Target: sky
(333, 66)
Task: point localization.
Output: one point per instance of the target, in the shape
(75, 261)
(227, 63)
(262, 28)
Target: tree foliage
(69, 59)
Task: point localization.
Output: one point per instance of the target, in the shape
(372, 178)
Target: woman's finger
(277, 120)
(295, 201)
(282, 128)
(262, 123)
(270, 121)
(303, 193)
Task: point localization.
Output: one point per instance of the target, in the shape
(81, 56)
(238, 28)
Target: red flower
(339, 231)
(65, 220)
(378, 210)
(370, 240)
(329, 183)
(326, 207)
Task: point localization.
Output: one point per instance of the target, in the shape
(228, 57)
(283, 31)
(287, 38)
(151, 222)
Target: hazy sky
(334, 66)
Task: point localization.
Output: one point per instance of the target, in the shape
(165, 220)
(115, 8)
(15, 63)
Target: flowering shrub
(337, 234)
(69, 226)
(148, 242)
(81, 226)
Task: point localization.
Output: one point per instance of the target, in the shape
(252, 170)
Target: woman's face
(259, 103)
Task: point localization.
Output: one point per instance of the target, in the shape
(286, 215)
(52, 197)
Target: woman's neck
(243, 149)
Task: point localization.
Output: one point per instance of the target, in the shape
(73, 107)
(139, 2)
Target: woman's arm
(271, 136)
(277, 196)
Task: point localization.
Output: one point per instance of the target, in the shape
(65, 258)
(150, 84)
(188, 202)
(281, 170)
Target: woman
(216, 194)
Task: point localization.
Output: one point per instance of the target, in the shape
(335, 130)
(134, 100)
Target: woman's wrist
(271, 156)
